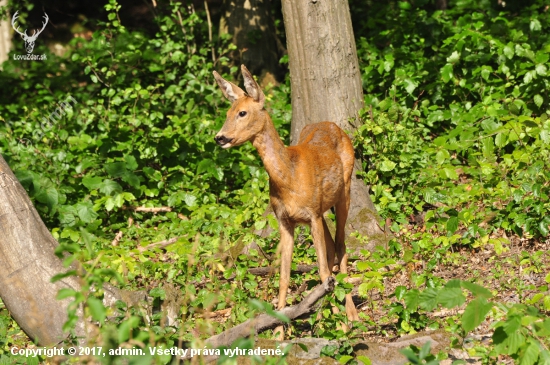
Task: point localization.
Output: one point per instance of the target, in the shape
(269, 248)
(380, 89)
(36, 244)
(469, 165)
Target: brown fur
(305, 180)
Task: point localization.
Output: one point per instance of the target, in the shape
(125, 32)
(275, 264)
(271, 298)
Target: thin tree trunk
(28, 262)
(5, 36)
(253, 30)
(326, 85)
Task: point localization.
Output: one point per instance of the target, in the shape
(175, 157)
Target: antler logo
(29, 40)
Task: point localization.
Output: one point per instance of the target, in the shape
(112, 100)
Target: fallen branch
(264, 321)
(160, 244)
(148, 209)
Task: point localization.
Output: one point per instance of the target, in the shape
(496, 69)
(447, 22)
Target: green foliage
(454, 140)
(420, 356)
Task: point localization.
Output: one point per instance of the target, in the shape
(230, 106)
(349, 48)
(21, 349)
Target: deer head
(29, 40)
(247, 115)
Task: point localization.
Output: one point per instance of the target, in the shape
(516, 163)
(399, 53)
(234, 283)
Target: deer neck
(273, 153)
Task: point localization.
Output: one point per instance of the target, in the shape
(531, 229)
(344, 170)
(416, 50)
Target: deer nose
(222, 140)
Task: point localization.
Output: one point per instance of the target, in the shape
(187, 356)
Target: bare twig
(117, 239)
(183, 30)
(96, 75)
(209, 30)
(147, 209)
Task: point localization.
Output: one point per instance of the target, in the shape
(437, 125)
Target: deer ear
(231, 91)
(252, 87)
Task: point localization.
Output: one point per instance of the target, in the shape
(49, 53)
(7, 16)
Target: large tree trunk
(326, 85)
(252, 27)
(27, 264)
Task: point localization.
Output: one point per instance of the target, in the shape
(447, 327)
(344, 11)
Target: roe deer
(305, 180)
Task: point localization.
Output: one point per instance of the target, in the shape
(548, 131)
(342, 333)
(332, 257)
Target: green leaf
(475, 313)
(541, 69)
(447, 72)
(400, 292)
(132, 179)
(97, 309)
(535, 25)
(65, 293)
(157, 293)
(130, 162)
(476, 290)
(450, 173)
(545, 357)
(340, 292)
(428, 299)
(116, 169)
(531, 353)
(345, 359)
(451, 297)
(528, 77)
(365, 360)
(204, 165)
(410, 85)
(210, 168)
(442, 156)
(48, 196)
(501, 139)
(260, 224)
(92, 183)
(190, 200)
(86, 212)
(538, 100)
(425, 350)
(412, 299)
(110, 204)
(543, 227)
(387, 165)
(454, 57)
(508, 51)
(110, 187)
(126, 328)
(452, 224)
(410, 355)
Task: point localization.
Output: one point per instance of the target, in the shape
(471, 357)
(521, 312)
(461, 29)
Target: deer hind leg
(342, 208)
(329, 246)
(325, 249)
(286, 246)
(319, 241)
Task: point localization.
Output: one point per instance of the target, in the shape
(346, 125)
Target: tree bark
(28, 262)
(326, 86)
(253, 30)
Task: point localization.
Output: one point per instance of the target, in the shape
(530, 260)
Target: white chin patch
(227, 145)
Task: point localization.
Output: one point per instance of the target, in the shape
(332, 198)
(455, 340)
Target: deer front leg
(286, 246)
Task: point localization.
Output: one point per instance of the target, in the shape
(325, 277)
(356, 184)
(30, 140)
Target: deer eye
(242, 114)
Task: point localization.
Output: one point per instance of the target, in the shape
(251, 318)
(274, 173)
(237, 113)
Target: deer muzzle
(223, 141)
